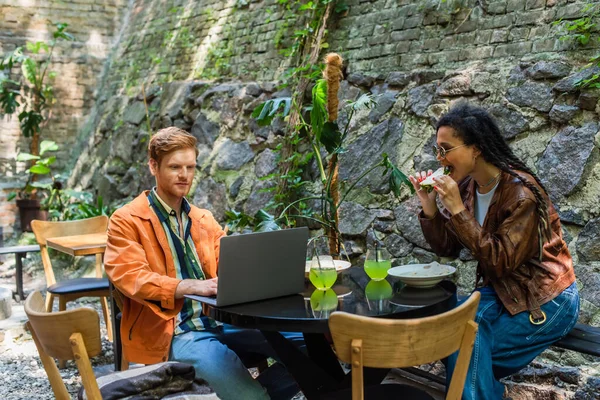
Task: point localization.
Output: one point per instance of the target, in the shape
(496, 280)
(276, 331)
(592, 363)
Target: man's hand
(194, 286)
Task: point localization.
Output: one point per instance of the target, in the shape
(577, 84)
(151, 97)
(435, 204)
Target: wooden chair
(73, 289)
(65, 335)
(388, 343)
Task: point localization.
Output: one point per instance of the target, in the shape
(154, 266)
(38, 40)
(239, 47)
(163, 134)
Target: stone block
(467, 26)
(398, 24)
(497, 7)
(466, 39)
(543, 45)
(499, 36)
(448, 42)
(588, 99)
(431, 44)
(356, 43)
(483, 37)
(562, 164)
(409, 9)
(410, 34)
(571, 11)
(534, 4)
(444, 56)
(517, 34)
(512, 49)
(499, 21)
(377, 39)
(562, 113)
(430, 19)
(532, 94)
(413, 22)
(402, 47)
(548, 70)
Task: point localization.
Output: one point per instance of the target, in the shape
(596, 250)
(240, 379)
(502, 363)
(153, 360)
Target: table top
(79, 245)
(353, 292)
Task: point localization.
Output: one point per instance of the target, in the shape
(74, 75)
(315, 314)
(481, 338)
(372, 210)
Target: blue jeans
(506, 343)
(214, 355)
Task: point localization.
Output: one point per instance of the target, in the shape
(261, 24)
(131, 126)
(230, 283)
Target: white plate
(422, 275)
(340, 265)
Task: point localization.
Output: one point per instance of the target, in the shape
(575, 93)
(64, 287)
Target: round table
(318, 371)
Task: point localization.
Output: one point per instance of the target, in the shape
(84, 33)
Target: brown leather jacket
(507, 245)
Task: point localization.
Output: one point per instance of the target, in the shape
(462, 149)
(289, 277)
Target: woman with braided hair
(497, 208)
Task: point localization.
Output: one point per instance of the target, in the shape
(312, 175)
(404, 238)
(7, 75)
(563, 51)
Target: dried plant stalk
(333, 74)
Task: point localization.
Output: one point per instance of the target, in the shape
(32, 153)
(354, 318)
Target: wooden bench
(583, 338)
(19, 252)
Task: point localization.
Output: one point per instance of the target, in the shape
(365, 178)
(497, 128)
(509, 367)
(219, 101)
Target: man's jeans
(506, 343)
(212, 352)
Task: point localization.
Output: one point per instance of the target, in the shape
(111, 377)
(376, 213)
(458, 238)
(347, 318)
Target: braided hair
(475, 126)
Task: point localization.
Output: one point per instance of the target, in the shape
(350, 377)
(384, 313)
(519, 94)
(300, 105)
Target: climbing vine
(582, 32)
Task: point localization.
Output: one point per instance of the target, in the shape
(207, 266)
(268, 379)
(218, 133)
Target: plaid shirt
(185, 258)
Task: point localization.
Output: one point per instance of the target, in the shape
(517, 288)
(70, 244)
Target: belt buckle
(539, 321)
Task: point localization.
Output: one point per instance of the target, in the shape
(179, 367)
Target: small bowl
(340, 265)
(422, 275)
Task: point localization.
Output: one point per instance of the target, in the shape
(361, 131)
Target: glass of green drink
(322, 272)
(323, 303)
(377, 263)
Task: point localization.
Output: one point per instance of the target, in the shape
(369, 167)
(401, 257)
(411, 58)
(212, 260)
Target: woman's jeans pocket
(561, 315)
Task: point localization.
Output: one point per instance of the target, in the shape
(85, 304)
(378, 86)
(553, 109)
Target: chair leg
(88, 379)
(49, 301)
(58, 386)
(124, 363)
(107, 320)
(62, 303)
(62, 306)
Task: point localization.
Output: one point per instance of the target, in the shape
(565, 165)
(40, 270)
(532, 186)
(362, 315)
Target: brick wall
(95, 25)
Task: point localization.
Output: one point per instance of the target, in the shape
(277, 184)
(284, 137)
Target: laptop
(257, 266)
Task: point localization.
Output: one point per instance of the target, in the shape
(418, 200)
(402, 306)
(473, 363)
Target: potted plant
(28, 199)
(31, 97)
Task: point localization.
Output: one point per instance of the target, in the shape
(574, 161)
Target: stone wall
(95, 25)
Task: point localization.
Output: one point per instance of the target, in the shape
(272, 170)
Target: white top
(482, 203)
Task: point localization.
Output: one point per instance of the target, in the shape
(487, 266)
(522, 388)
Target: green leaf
(318, 113)
(39, 169)
(397, 178)
(331, 137)
(11, 196)
(47, 161)
(265, 222)
(29, 68)
(366, 101)
(340, 7)
(30, 122)
(36, 47)
(40, 185)
(266, 111)
(47, 145)
(27, 157)
(60, 32)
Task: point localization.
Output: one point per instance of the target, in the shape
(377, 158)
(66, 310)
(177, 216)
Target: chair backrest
(388, 343)
(66, 335)
(49, 229)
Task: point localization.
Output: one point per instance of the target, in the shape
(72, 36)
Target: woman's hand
(427, 199)
(449, 194)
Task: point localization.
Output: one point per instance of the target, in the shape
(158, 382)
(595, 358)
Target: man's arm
(126, 264)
